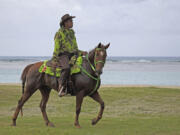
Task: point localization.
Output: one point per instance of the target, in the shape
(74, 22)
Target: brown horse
(85, 84)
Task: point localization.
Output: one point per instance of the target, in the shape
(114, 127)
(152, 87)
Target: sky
(132, 27)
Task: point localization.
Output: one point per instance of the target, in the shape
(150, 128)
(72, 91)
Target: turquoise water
(118, 70)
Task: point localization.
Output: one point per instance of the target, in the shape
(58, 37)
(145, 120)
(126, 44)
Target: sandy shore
(10, 83)
(115, 85)
(158, 86)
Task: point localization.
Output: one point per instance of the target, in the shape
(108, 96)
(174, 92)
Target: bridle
(99, 61)
(95, 62)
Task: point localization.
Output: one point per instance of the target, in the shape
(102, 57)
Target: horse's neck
(91, 57)
(88, 62)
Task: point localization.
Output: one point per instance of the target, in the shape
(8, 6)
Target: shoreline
(116, 85)
(138, 85)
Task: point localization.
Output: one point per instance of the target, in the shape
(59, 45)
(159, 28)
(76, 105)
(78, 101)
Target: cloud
(143, 23)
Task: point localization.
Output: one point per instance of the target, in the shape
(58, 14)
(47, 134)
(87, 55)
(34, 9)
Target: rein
(93, 68)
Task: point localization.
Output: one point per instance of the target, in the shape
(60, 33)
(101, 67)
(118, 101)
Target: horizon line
(107, 56)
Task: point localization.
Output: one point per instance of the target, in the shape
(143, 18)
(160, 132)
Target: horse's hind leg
(98, 99)
(79, 100)
(45, 96)
(28, 93)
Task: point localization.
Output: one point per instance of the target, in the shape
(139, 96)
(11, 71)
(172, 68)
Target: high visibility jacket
(65, 41)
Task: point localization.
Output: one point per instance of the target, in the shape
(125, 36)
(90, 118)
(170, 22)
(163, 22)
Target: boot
(61, 91)
(62, 82)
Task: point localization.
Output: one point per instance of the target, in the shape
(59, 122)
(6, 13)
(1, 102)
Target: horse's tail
(23, 79)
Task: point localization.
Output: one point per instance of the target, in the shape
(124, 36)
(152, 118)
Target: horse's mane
(91, 53)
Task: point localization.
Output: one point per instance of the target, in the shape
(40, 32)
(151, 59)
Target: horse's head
(100, 58)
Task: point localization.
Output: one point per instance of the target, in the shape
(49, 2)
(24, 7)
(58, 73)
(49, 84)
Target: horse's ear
(99, 45)
(106, 46)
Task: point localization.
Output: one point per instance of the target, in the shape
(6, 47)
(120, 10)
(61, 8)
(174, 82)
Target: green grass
(128, 111)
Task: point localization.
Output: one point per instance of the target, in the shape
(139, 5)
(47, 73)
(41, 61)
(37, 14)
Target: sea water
(117, 70)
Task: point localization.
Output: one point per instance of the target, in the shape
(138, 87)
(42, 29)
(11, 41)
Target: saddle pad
(48, 70)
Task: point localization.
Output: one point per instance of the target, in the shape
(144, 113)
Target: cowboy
(65, 48)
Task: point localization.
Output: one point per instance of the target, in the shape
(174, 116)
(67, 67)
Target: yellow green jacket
(65, 41)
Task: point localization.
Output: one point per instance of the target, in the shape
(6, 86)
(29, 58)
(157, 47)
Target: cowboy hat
(65, 18)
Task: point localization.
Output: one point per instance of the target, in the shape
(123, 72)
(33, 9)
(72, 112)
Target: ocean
(117, 70)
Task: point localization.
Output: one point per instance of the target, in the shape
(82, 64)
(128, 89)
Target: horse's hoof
(13, 125)
(50, 124)
(77, 126)
(94, 121)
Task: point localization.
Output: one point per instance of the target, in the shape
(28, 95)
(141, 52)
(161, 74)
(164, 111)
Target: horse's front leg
(97, 98)
(79, 100)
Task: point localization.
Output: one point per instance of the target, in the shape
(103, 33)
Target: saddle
(51, 63)
(52, 68)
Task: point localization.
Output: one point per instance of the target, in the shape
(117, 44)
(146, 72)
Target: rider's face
(69, 23)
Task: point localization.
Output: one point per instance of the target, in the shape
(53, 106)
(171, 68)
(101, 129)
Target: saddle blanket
(48, 70)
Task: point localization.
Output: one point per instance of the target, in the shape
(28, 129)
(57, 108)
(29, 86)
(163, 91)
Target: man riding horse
(65, 47)
(86, 82)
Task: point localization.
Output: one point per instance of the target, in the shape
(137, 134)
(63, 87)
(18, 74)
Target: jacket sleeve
(58, 44)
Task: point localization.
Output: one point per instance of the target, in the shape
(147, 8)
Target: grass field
(128, 111)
